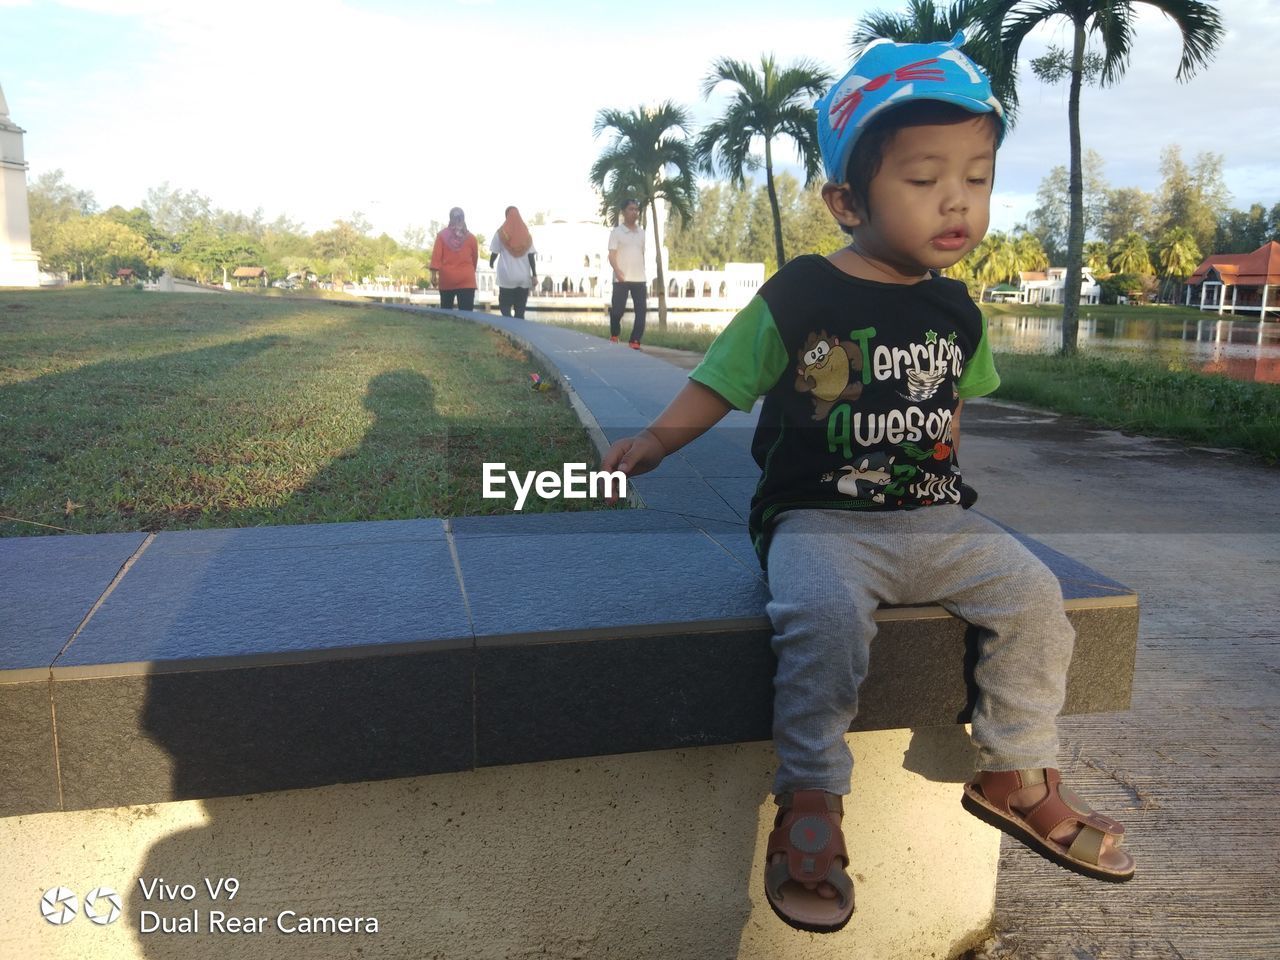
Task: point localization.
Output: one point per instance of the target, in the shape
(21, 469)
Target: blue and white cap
(890, 74)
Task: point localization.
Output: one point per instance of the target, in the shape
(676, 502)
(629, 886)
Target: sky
(318, 109)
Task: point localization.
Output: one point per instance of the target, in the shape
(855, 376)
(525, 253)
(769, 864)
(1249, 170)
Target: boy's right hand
(633, 455)
(694, 411)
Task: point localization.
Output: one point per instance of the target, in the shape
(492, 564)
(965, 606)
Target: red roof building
(1239, 282)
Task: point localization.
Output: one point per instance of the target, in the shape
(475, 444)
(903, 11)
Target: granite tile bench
(140, 668)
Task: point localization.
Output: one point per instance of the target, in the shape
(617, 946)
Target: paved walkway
(1194, 768)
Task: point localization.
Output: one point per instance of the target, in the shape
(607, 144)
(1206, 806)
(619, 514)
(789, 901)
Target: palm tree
(991, 261)
(1097, 258)
(1112, 22)
(926, 22)
(768, 103)
(1028, 253)
(1002, 258)
(1130, 256)
(649, 158)
(1179, 255)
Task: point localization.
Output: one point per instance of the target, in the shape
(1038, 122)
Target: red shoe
(635, 344)
(807, 833)
(988, 797)
(613, 339)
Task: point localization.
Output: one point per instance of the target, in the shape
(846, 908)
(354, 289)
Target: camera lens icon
(59, 905)
(102, 905)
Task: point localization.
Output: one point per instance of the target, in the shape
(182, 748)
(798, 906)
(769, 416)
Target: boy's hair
(868, 152)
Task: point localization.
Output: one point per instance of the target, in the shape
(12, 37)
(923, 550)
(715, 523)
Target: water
(1238, 348)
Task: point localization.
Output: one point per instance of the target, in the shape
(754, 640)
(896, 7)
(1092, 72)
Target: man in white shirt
(626, 256)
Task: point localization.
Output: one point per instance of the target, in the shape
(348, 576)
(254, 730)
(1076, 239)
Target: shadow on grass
(268, 431)
(399, 470)
(91, 434)
(414, 461)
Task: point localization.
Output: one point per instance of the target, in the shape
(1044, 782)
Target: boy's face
(930, 202)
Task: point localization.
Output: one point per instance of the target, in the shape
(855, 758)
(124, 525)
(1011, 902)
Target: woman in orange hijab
(453, 263)
(512, 248)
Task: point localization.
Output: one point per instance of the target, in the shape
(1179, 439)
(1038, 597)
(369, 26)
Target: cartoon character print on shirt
(914, 458)
(873, 477)
(939, 451)
(865, 480)
(825, 371)
(923, 382)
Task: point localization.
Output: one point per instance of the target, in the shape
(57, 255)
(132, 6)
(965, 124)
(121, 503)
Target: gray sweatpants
(830, 569)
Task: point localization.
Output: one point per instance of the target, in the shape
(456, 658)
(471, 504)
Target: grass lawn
(1147, 397)
(122, 410)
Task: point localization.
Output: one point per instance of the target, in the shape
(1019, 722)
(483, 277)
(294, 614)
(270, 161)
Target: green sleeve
(979, 377)
(746, 359)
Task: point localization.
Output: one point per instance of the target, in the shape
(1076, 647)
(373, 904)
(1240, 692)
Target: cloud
(317, 109)
(1228, 107)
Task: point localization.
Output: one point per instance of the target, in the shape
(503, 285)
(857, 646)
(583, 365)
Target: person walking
(626, 256)
(453, 263)
(512, 248)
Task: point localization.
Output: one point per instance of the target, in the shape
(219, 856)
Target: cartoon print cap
(890, 74)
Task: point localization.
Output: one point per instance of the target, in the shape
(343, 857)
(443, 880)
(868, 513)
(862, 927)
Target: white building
(1037, 287)
(573, 263)
(573, 258)
(19, 264)
(727, 289)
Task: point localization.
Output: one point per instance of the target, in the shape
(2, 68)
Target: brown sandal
(807, 830)
(987, 797)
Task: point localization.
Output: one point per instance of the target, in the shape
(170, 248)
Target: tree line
(729, 224)
(1155, 240)
(181, 232)
(653, 152)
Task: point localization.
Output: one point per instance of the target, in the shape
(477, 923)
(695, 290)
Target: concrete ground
(1193, 769)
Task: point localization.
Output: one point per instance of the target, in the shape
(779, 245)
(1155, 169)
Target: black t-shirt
(860, 383)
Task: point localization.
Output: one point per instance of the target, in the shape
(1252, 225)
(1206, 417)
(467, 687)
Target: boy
(864, 359)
